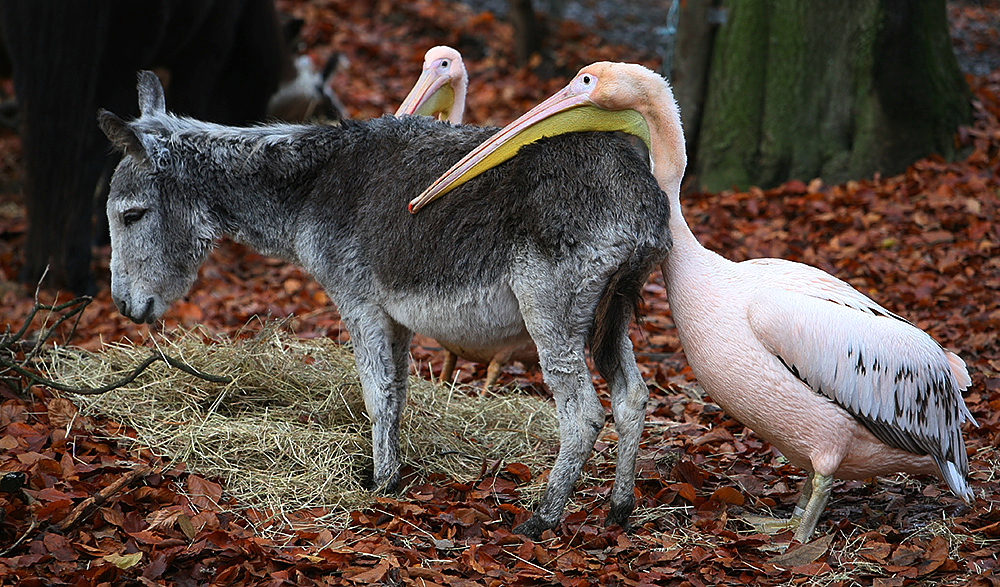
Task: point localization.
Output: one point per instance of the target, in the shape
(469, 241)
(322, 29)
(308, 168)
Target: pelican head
(440, 90)
(602, 97)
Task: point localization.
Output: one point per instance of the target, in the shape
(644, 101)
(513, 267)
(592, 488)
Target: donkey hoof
(387, 485)
(619, 513)
(534, 527)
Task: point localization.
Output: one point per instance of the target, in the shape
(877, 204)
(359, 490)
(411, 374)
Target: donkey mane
(180, 133)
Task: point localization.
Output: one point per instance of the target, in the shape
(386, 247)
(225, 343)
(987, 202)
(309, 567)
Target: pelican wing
(889, 375)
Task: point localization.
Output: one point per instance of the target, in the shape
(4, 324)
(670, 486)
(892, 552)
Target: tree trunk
(527, 35)
(61, 170)
(689, 75)
(829, 89)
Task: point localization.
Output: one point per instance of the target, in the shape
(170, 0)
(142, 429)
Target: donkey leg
(559, 323)
(629, 395)
(381, 349)
(581, 419)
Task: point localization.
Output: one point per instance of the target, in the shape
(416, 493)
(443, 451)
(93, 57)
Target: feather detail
(890, 376)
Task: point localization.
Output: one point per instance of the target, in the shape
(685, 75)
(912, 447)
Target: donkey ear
(121, 135)
(151, 100)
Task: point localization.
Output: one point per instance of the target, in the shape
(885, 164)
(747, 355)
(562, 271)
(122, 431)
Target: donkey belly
(476, 318)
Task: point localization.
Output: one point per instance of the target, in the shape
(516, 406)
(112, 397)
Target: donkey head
(159, 234)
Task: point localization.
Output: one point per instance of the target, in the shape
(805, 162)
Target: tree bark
(799, 90)
(689, 75)
(527, 33)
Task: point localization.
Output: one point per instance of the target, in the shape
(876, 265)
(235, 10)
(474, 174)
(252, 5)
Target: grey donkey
(554, 245)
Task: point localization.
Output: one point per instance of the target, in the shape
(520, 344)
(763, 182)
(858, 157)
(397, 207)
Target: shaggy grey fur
(554, 244)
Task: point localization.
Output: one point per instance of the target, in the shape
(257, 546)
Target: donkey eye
(133, 215)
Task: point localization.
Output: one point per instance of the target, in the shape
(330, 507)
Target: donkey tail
(619, 303)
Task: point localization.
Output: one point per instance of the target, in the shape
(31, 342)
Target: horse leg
(381, 348)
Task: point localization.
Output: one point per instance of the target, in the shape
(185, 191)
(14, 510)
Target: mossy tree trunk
(826, 88)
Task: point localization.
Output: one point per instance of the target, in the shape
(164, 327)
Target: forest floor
(925, 244)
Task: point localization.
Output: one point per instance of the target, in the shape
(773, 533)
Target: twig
(172, 361)
(34, 378)
(178, 364)
(29, 532)
(87, 506)
(7, 340)
(76, 307)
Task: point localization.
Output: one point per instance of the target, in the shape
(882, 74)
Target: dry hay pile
(290, 431)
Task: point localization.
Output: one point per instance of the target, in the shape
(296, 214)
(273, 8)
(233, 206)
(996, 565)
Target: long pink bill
(568, 110)
(533, 125)
(430, 95)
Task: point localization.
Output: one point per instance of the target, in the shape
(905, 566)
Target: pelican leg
(492, 374)
(496, 366)
(768, 525)
(800, 506)
(820, 494)
(448, 370)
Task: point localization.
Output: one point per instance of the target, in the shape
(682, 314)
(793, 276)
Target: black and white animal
(553, 246)
(308, 96)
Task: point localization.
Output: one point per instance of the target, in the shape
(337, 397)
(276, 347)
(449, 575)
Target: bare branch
(86, 507)
(66, 311)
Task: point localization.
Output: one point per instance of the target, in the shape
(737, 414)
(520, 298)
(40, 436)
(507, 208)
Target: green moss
(828, 89)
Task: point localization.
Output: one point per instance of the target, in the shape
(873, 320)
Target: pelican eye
(587, 79)
(444, 64)
(133, 215)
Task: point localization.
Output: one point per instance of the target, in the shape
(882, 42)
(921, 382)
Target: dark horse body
(555, 245)
(225, 59)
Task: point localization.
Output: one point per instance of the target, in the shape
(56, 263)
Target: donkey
(553, 245)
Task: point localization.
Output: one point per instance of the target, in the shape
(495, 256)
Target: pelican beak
(432, 94)
(562, 113)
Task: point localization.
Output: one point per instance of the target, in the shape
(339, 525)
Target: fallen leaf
(61, 412)
(935, 555)
(124, 561)
(204, 494)
(728, 495)
(370, 576)
(187, 527)
(804, 554)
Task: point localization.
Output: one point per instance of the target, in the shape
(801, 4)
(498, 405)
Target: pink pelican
(440, 91)
(841, 386)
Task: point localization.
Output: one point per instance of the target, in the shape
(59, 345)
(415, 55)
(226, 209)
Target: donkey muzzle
(138, 313)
